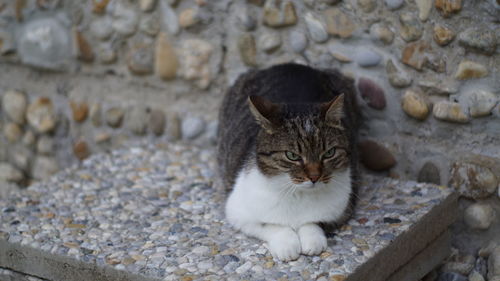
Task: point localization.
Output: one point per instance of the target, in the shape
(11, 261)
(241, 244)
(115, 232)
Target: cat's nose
(314, 178)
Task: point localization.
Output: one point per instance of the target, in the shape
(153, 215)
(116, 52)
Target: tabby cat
(286, 149)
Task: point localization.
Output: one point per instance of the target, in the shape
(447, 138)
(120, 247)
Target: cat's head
(307, 142)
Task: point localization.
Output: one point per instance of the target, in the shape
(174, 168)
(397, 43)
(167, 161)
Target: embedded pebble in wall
(157, 122)
(247, 48)
(382, 33)
(195, 57)
(479, 216)
(44, 167)
(279, 14)
(411, 28)
(45, 145)
(150, 25)
(106, 54)
(367, 6)
(472, 181)
(448, 7)
(315, 28)
(102, 138)
(21, 157)
(394, 4)
(138, 118)
(10, 173)
(147, 5)
(81, 149)
(469, 69)
(414, 54)
(443, 35)
(366, 57)
(415, 104)
(41, 115)
(166, 62)
(269, 41)
(140, 59)
(212, 131)
(114, 117)
(28, 139)
(192, 127)
(14, 104)
(479, 39)
(372, 93)
(438, 87)
(480, 102)
(424, 9)
(169, 18)
(12, 132)
(95, 114)
(429, 173)
(84, 49)
(189, 17)
(79, 110)
(99, 7)
(375, 156)
(398, 77)
(338, 23)
(449, 111)
(125, 19)
(298, 41)
(101, 28)
(45, 43)
(174, 126)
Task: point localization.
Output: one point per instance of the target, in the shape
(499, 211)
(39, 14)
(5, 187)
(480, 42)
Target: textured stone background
(80, 77)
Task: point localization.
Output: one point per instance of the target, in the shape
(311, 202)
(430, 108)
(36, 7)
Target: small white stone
(269, 41)
(424, 9)
(479, 216)
(366, 57)
(316, 28)
(298, 41)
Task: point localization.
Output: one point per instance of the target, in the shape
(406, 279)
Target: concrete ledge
(425, 261)
(152, 213)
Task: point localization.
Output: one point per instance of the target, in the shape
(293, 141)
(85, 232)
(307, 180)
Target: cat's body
(288, 154)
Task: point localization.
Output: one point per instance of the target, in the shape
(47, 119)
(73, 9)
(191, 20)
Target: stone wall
(78, 77)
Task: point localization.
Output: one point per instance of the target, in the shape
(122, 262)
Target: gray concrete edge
(53, 267)
(426, 260)
(407, 245)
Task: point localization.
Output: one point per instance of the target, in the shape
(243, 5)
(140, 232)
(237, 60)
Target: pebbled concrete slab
(151, 212)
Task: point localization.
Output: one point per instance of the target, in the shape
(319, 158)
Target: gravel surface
(153, 210)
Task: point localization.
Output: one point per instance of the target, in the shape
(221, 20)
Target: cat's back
(286, 83)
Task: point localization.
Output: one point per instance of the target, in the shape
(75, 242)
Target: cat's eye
(329, 154)
(292, 156)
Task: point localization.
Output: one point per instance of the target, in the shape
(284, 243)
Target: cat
(287, 151)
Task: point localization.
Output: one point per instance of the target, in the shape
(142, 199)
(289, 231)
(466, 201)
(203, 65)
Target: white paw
(312, 239)
(285, 245)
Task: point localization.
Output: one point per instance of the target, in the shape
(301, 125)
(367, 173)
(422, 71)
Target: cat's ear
(333, 111)
(263, 110)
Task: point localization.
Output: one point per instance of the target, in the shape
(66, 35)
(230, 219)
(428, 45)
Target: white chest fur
(259, 199)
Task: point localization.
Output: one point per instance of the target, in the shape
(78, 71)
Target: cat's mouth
(309, 185)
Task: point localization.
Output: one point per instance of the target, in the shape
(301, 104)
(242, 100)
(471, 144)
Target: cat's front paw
(285, 245)
(312, 239)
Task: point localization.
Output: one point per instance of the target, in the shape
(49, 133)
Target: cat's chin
(308, 185)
